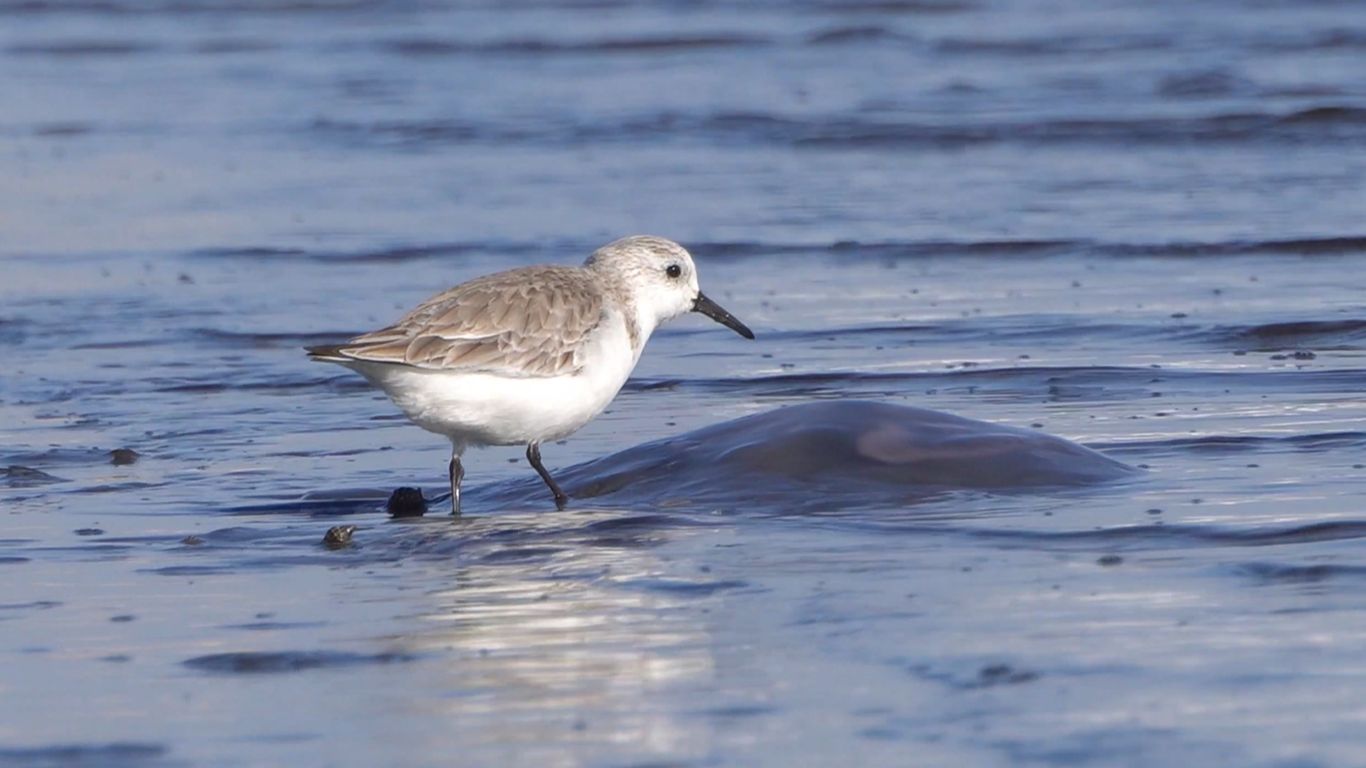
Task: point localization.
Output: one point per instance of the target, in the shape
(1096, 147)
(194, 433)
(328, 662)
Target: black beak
(713, 310)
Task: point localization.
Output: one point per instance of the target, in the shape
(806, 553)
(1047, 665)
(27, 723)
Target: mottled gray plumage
(529, 354)
(526, 322)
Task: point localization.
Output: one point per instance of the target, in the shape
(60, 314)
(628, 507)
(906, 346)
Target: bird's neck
(639, 326)
(639, 323)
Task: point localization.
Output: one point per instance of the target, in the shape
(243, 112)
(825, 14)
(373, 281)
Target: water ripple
(1324, 122)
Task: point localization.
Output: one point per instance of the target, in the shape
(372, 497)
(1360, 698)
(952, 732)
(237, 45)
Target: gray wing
(528, 322)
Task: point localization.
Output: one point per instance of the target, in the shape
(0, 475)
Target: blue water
(1134, 226)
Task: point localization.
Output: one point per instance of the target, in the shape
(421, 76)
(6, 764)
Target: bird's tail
(327, 353)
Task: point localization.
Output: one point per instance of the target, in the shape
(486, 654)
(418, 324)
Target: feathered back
(528, 322)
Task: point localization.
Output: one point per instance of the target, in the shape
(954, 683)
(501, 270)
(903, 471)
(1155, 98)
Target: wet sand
(1135, 229)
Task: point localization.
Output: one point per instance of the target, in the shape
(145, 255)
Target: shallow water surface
(1137, 228)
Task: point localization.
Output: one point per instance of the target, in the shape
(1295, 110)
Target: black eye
(673, 270)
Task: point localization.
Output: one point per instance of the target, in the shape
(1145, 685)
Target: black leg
(533, 455)
(457, 474)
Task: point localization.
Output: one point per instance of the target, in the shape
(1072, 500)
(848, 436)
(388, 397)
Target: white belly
(485, 409)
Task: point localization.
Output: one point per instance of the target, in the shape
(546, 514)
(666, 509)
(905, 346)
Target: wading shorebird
(532, 354)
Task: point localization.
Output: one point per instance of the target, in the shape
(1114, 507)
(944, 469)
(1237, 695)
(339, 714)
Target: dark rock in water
(120, 457)
(846, 452)
(23, 477)
(338, 536)
(406, 502)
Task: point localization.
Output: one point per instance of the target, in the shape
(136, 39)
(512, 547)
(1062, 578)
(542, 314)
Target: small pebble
(1004, 674)
(120, 457)
(406, 502)
(338, 536)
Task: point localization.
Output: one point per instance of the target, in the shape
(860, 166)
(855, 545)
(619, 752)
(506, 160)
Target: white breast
(484, 409)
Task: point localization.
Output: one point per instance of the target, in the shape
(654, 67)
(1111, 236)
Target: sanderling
(531, 354)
